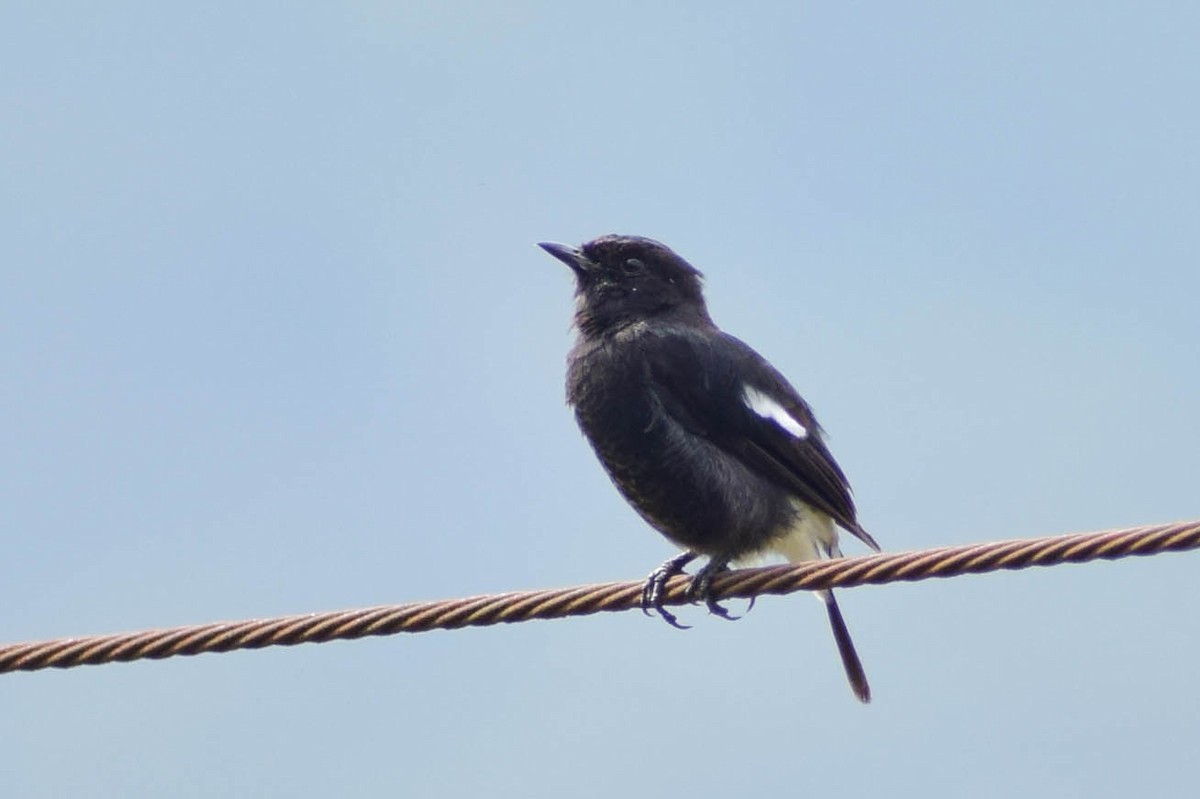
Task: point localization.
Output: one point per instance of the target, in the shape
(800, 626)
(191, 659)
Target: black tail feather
(850, 661)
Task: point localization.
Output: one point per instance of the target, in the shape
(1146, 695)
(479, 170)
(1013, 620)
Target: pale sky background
(275, 338)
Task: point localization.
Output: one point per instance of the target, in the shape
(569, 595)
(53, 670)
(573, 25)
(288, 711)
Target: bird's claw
(700, 589)
(654, 588)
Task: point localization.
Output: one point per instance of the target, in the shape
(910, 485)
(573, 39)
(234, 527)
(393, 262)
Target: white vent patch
(767, 408)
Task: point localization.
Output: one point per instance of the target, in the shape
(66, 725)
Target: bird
(703, 437)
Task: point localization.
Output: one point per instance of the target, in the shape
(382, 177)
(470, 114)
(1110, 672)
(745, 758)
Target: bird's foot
(700, 589)
(652, 590)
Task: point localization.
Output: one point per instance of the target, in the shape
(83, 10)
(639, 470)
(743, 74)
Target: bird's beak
(580, 264)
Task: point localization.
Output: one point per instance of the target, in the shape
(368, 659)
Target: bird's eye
(633, 266)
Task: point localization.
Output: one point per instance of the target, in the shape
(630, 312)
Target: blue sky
(276, 338)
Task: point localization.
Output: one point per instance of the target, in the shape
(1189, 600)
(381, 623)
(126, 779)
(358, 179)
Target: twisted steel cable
(584, 600)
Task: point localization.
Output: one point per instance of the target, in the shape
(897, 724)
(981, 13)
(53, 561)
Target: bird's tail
(814, 537)
(845, 645)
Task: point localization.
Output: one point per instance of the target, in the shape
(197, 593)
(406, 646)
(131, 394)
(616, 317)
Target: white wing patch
(767, 408)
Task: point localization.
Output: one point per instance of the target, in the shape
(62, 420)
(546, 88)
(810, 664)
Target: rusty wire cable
(516, 606)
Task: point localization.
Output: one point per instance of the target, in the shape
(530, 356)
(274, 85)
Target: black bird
(705, 439)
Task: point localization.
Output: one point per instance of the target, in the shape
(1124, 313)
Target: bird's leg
(701, 587)
(652, 590)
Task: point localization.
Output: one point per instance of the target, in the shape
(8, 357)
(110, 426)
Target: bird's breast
(695, 493)
(615, 407)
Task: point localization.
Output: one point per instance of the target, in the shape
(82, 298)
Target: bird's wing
(719, 388)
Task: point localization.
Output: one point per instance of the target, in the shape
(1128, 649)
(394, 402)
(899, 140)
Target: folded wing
(721, 389)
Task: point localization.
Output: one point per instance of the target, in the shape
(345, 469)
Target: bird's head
(621, 280)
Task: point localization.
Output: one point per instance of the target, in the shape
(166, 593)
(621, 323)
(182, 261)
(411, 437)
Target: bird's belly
(695, 493)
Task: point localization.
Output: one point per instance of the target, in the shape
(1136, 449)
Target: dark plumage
(703, 437)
